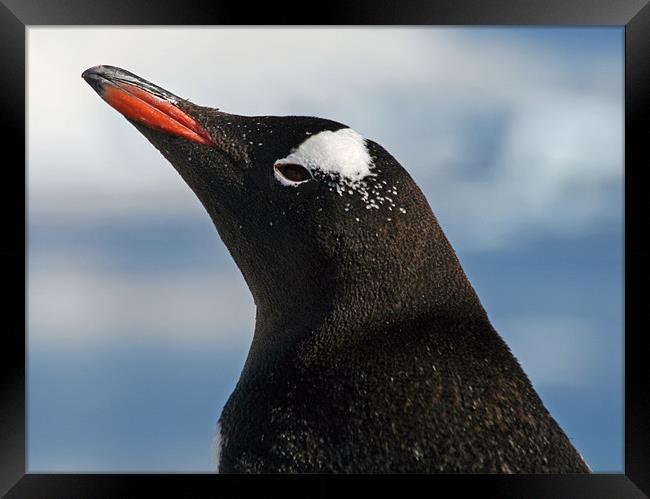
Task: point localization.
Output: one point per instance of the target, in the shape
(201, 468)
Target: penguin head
(308, 208)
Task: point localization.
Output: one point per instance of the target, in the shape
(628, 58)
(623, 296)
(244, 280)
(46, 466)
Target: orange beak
(144, 103)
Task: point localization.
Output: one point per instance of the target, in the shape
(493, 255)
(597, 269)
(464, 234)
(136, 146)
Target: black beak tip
(91, 72)
(95, 77)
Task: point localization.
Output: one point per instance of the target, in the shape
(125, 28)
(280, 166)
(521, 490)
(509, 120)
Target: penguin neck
(422, 282)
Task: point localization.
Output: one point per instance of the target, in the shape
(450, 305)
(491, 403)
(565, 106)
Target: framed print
(502, 138)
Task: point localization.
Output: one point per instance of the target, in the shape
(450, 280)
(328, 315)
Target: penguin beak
(143, 102)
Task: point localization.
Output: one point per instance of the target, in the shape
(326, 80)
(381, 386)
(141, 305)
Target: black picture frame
(17, 15)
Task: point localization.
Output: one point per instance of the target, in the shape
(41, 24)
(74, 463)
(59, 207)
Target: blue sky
(139, 322)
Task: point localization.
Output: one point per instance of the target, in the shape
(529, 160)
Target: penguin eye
(292, 172)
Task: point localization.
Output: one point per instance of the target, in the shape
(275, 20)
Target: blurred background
(138, 320)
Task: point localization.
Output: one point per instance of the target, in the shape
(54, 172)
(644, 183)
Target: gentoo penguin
(372, 352)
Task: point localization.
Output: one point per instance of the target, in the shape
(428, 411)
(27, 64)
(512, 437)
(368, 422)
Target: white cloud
(556, 168)
(559, 171)
(90, 302)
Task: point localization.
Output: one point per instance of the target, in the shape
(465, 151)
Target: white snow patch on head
(343, 152)
(344, 155)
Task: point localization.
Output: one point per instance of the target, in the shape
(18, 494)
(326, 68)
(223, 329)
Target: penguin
(372, 352)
